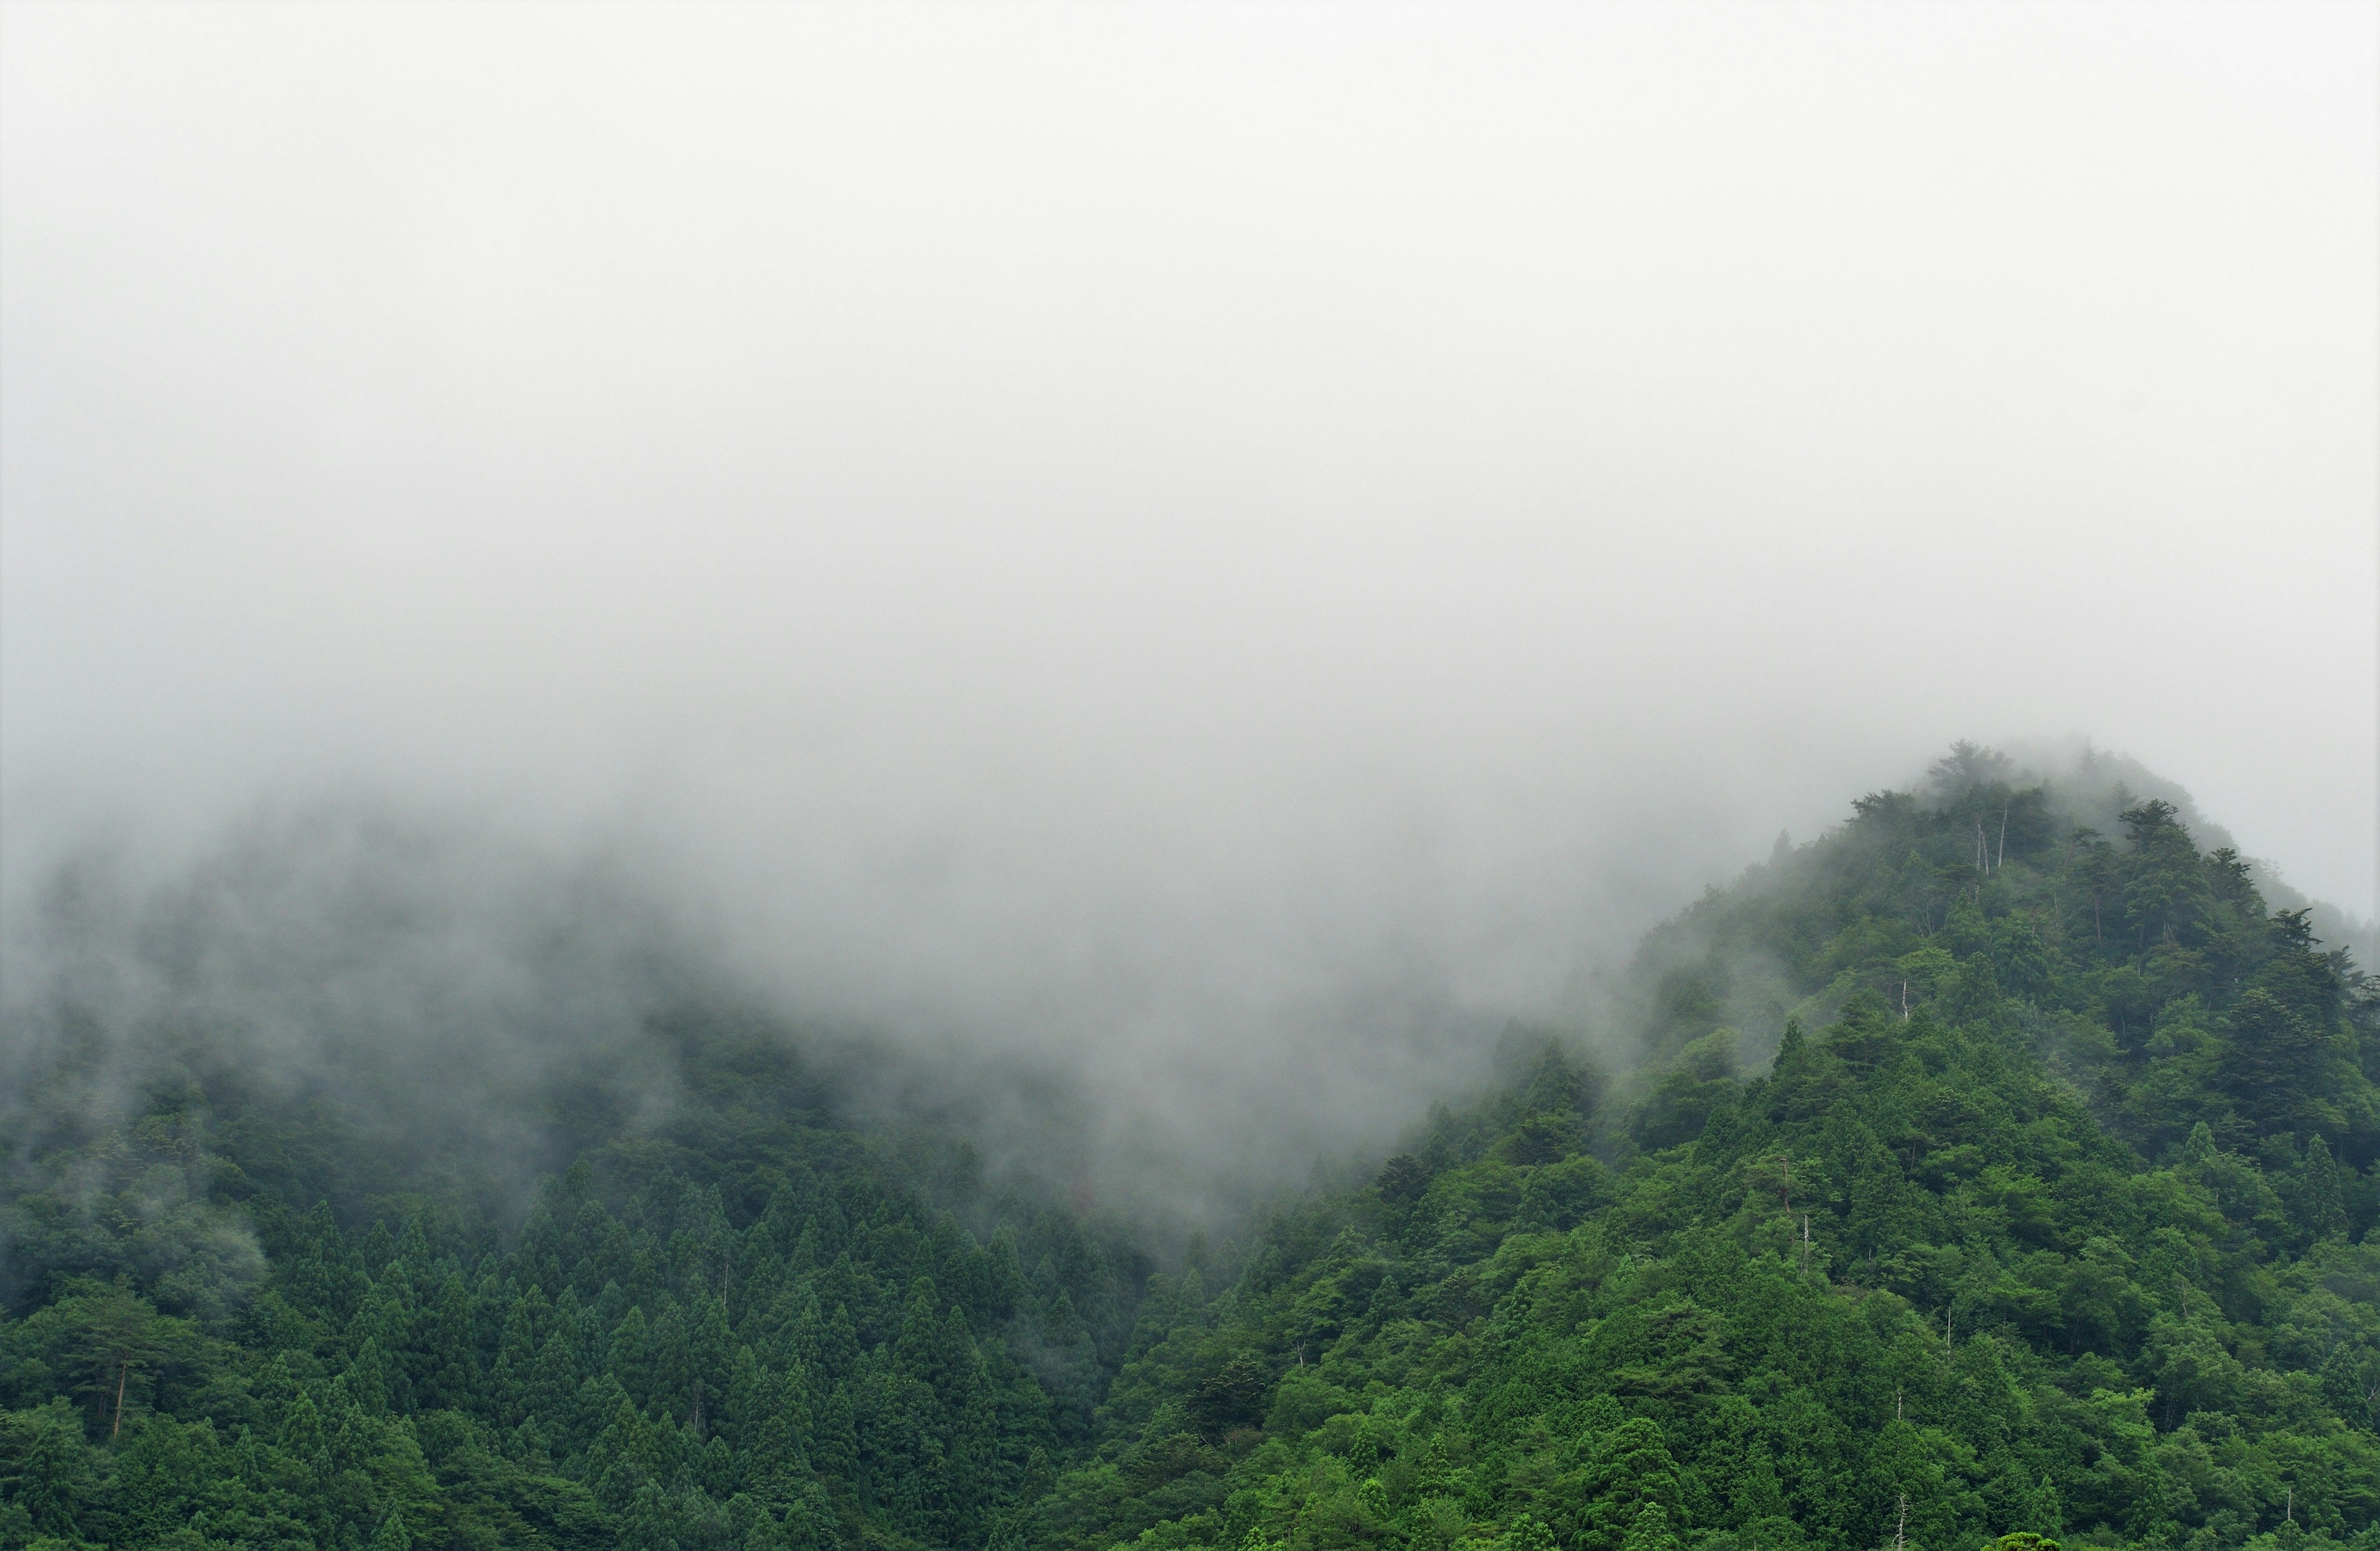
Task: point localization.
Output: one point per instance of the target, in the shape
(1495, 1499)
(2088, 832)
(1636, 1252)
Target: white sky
(1007, 501)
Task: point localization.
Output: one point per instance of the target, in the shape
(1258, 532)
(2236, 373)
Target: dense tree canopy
(751, 1327)
(1998, 1171)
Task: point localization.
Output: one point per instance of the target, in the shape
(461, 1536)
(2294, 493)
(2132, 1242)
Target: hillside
(2048, 1217)
(1997, 1165)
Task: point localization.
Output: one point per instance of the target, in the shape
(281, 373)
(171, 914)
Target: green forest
(1997, 1169)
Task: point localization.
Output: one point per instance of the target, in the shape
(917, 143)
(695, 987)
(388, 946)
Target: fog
(1222, 552)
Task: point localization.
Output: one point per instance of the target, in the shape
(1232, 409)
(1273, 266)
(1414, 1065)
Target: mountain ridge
(1997, 1165)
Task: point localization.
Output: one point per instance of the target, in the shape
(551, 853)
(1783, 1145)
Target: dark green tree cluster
(750, 1328)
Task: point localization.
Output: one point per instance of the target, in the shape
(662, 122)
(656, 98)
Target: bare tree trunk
(123, 1373)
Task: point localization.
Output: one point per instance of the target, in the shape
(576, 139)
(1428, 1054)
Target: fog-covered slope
(1998, 1162)
(2030, 1198)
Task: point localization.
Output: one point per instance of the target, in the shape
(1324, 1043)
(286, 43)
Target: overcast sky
(1112, 516)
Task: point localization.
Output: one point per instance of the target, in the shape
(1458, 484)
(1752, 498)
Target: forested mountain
(1998, 1165)
(752, 1326)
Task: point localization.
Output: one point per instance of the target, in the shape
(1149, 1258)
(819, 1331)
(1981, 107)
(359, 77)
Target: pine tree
(392, 1535)
(2322, 1206)
(1651, 1530)
(2271, 1061)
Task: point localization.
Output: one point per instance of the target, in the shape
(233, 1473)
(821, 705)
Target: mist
(1216, 555)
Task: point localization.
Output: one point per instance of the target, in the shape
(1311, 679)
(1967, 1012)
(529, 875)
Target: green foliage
(2037, 1220)
(751, 1329)
(1986, 1181)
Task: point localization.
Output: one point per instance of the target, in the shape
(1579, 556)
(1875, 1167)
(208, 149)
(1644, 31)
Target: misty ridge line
(443, 986)
(488, 1007)
(787, 779)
